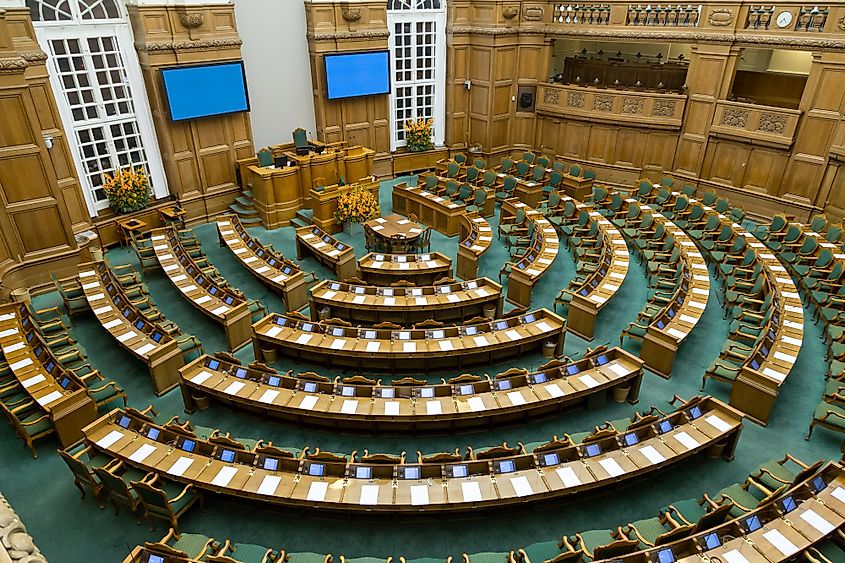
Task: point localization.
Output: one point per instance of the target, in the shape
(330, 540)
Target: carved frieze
(191, 20)
(552, 96)
(603, 102)
(772, 123)
(351, 14)
(205, 44)
(532, 13)
(575, 100)
(720, 17)
(632, 105)
(734, 117)
(663, 108)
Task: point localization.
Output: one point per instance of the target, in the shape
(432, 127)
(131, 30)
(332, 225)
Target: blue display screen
(357, 74)
(201, 91)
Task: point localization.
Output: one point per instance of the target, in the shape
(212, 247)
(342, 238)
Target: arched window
(418, 65)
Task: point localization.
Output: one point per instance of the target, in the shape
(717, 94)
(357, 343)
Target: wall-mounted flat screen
(357, 74)
(205, 90)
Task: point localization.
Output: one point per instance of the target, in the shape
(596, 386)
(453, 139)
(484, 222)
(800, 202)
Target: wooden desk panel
(525, 273)
(285, 277)
(327, 250)
(419, 269)
(366, 304)
(476, 237)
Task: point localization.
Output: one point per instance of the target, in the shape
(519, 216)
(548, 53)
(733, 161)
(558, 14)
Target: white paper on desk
(521, 486)
(598, 299)
(512, 334)
(373, 346)
(409, 346)
(350, 406)
(389, 301)
(433, 407)
(618, 369)
(308, 402)
(516, 398)
(220, 310)
(445, 345)
(688, 319)
(780, 542)
(187, 288)
(179, 278)
(112, 323)
(471, 491)
(817, 522)
(774, 374)
(481, 340)
(250, 259)
(201, 377)
(126, 336)
(391, 408)
(369, 494)
(476, 404)
(651, 454)
(109, 439)
(27, 383)
(144, 349)
(21, 364)
(273, 331)
(612, 468)
(793, 324)
(142, 453)
(791, 341)
(839, 494)
(686, 440)
(588, 380)
(358, 299)
(452, 298)
(378, 227)
(568, 476)
(91, 285)
(303, 339)
(262, 269)
(419, 495)
(224, 476)
(280, 278)
(785, 357)
(268, 396)
(165, 257)
(544, 326)
(87, 274)
(202, 299)
(14, 348)
(338, 343)
(734, 556)
(421, 301)
(317, 491)
(182, 464)
(717, 423)
(170, 267)
(239, 250)
(554, 390)
(269, 485)
(234, 387)
(95, 297)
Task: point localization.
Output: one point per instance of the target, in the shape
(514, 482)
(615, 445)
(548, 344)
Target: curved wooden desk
(361, 405)
(127, 324)
(327, 250)
(408, 349)
(441, 214)
(58, 391)
(419, 269)
(383, 483)
(476, 236)
(775, 532)
(369, 304)
(526, 272)
(269, 267)
(218, 303)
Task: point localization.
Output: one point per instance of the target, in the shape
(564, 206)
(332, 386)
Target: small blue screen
(357, 74)
(201, 91)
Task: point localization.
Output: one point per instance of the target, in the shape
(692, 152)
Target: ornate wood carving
(735, 117)
(191, 20)
(772, 123)
(721, 17)
(603, 103)
(351, 14)
(575, 100)
(510, 12)
(663, 108)
(632, 105)
(552, 97)
(532, 13)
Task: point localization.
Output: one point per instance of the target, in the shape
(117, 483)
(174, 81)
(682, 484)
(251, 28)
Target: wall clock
(784, 19)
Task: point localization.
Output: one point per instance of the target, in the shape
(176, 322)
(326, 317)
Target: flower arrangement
(128, 189)
(418, 134)
(357, 205)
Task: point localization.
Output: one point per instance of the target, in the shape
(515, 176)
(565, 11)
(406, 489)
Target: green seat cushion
(690, 509)
(488, 557)
(649, 529)
(306, 557)
(193, 545)
(249, 552)
(542, 551)
(596, 538)
(821, 413)
(776, 469)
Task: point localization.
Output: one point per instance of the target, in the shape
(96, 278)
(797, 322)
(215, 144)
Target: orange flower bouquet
(128, 189)
(418, 134)
(358, 205)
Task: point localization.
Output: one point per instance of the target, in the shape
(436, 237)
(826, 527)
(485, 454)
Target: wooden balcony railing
(765, 125)
(656, 110)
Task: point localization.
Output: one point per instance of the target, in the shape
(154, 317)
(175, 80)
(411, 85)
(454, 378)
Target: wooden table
(476, 236)
(395, 227)
(402, 408)
(328, 481)
(127, 228)
(127, 324)
(419, 269)
(409, 349)
(172, 214)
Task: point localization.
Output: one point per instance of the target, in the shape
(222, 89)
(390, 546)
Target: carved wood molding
(200, 45)
(13, 65)
(191, 20)
(347, 35)
(638, 34)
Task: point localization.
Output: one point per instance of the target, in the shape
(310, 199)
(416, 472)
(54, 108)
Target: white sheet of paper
(142, 453)
(544, 326)
(337, 344)
(686, 440)
(201, 377)
(317, 491)
(409, 346)
(568, 476)
(126, 336)
(234, 387)
(269, 485)
(373, 346)
(516, 398)
(521, 486)
(717, 423)
(49, 398)
(182, 464)
(268, 396)
(481, 341)
(273, 331)
(112, 323)
(308, 402)
(734, 556)
(613, 468)
(476, 404)
(433, 407)
(369, 494)
(224, 476)
(391, 408)
(839, 494)
(27, 383)
(512, 334)
(446, 345)
(780, 542)
(109, 439)
(553, 390)
(419, 495)
(471, 491)
(817, 522)
(144, 349)
(99, 311)
(303, 339)
(588, 380)
(618, 369)
(20, 364)
(652, 454)
(350, 406)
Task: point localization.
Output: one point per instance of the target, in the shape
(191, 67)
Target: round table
(395, 232)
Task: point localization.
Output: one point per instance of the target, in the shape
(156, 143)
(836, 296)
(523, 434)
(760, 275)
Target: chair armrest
(178, 497)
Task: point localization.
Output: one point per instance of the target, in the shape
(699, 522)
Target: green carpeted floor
(70, 530)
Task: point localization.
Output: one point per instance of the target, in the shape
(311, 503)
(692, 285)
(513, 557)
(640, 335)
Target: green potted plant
(128, 189)
(355, 207)
(418, 134)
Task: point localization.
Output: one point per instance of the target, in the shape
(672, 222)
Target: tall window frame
(96, 77)
(417, 46)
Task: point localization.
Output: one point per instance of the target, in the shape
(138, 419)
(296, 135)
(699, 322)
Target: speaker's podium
(658, 351)
(754, 394)
(582, 317)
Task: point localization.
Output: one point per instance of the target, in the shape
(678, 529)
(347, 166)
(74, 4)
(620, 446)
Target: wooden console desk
(327, 250)
(526, 272)
(476, 236)
(419, 269)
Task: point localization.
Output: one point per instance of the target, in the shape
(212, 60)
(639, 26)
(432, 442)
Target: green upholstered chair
(116, 479)
(265, 157)
(507, 166)
(508, 187)
(747, 496)
(82, 459)
(542, 161)
(479, 163)
(558, 166)
(523, 169)
(452, 188)
(245, 553)
(604, 544)
(489, 179)
(165, 500)
(453, 170)
(309, 557)
(517, 226)
(431, 183)
(300, 141)
(477, 205)
(658, 530)
(460, 158)
(71, 292)
(473, 174)
(30, 422)
(195, 547)
(529, 157)
(830, 414)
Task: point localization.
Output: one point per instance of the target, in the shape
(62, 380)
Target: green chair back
(529, 157)
(460, 158)
(510, 183)
(300, 139)
(574, 170)
(452, 169)
(430, 182)
(265, 157)
(489, 178)
(522, 168)
(479, 163)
